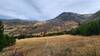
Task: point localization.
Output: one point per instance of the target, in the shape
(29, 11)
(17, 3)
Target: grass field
(63, 45)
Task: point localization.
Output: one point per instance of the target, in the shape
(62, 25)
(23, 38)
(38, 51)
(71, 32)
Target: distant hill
(17, 26)
(17, 21)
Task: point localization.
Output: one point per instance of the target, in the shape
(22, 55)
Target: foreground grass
(64, 45)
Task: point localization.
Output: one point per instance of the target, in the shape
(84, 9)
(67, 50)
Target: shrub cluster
(87, 29)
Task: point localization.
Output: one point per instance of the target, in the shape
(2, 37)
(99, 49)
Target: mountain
(68, 16)
(17, 21)
(64, 21)
(95, 16)
(87, 15)
(92, 17)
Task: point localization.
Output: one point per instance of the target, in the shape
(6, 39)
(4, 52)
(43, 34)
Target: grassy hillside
(63, 45)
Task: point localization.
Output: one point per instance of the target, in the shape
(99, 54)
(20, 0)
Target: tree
(1, 29)
(5, 40)
(1, 36)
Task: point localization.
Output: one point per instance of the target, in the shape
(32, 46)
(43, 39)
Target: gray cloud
(46, 9)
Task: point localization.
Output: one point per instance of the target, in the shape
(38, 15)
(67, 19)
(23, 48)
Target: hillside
(95, 15)
(89, 27)
(16, 26)
(64, 45)
(65, 21)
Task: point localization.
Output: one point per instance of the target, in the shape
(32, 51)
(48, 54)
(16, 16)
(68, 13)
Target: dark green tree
(5, 40)
(1, 36)
(1, 29)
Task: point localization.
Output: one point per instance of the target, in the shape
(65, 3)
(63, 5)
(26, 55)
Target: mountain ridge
(63, 22)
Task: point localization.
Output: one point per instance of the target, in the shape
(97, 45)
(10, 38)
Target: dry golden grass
(64, 45)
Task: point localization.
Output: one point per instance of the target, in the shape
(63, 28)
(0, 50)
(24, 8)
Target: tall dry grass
(64, 45)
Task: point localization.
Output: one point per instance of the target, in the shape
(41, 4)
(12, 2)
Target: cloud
(46, 9)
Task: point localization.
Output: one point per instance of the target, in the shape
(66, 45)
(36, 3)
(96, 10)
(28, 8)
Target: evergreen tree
(1, 29)
(5, 40)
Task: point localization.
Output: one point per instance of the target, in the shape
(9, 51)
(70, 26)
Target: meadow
(63, 45)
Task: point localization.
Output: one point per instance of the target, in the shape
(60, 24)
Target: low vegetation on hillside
(87, 29)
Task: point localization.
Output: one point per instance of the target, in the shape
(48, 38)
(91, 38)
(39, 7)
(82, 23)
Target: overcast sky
(46, 9)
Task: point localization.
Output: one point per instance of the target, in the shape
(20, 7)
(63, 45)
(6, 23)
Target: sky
(46, 9)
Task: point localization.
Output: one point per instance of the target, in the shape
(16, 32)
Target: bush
(55, 33)
(10, 40)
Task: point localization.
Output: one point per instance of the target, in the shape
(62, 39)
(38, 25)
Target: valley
(69, 34)
(49, 28)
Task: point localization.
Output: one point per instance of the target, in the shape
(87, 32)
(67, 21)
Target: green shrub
(10, 40)
(55, 33)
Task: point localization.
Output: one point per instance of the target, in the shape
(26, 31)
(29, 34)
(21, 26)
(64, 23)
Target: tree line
(88, 29)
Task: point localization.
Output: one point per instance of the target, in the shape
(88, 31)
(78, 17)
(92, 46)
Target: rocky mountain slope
(68, 16)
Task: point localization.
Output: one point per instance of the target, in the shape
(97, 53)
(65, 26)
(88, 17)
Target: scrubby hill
(91, 27)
